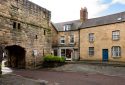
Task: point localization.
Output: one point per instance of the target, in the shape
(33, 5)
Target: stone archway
(15, 56)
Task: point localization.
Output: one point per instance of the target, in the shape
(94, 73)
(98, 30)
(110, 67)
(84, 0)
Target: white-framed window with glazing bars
(116, 35)
(91, 37)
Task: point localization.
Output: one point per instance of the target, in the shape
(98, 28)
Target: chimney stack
(83, 14)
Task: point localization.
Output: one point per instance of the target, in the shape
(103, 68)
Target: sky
(67, 10)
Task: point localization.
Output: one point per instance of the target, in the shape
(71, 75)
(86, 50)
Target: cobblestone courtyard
(72, 74)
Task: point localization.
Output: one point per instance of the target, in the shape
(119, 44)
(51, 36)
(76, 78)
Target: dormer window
(67, 27)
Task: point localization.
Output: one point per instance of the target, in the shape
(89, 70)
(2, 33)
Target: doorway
(15, 56)
(67, 53)
(105, 54)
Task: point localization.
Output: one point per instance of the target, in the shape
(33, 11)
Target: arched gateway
(15, 56)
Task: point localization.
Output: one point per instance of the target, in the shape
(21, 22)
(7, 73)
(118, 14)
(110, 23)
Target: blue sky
(67, 10)
(113, 9)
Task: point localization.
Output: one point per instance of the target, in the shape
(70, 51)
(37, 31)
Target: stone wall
(102, 40)
(26, 24)
(54, 36)
(67, 38)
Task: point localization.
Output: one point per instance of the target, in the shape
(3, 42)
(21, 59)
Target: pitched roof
(110, 19)
(74, 25)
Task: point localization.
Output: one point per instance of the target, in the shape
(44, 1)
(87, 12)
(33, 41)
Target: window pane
(62, 40)
(71, 38)
(115, 35)
(116, 51)
(91, 50)
(63, 52)
(67, 27)
(91, 37)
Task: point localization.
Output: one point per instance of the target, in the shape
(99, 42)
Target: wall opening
(15, 56)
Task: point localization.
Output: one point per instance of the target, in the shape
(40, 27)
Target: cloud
(95, 7)
(65, 10)
(118, 1)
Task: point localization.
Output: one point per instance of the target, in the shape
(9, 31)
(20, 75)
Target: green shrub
(53, 61)
(52, 58)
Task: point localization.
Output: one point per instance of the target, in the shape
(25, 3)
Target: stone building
(100, 39)
(103, 38)
(25, 32)
(66, 38)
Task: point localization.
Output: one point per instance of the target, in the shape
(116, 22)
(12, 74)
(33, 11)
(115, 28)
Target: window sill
(91, 41)
(91, 55)
(116, 57)
(72, 43)
(62, 43)
(115, 39)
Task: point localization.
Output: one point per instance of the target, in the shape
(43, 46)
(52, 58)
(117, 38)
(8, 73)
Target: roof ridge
(107, 15)
(67, 21)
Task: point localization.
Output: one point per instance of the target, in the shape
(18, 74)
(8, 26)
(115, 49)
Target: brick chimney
(83, 14)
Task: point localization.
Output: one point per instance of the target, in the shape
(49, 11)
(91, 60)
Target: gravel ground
(106, 70)
(69, 74)
(12, 79)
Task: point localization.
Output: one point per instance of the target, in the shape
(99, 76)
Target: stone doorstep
(104, 63)
(13, 79)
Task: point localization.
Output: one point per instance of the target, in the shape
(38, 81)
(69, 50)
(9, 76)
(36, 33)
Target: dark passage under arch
(15, 56)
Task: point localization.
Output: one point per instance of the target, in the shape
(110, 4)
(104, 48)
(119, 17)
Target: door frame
(65, 53)
(105, 57)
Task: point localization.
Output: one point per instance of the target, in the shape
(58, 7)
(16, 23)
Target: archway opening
(15, 56)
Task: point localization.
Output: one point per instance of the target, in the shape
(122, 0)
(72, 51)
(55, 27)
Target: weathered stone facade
(73, 47)
(69, 46)
(54, 35)
(26, 24)
(69, 31)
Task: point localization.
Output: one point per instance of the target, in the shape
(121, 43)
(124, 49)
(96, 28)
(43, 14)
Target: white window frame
(67, 27)
(72, 37)
(91, 51)
(62, 38)
(116, 51)
(116, 35)
(62, 55)
(91, 37)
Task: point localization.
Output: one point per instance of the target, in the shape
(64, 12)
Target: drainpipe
(79, 43)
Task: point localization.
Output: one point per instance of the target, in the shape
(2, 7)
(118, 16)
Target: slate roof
(105, 20)
(75, 25)
(110, 19)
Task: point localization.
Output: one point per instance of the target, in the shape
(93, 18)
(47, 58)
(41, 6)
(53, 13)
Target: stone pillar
(1, 58)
